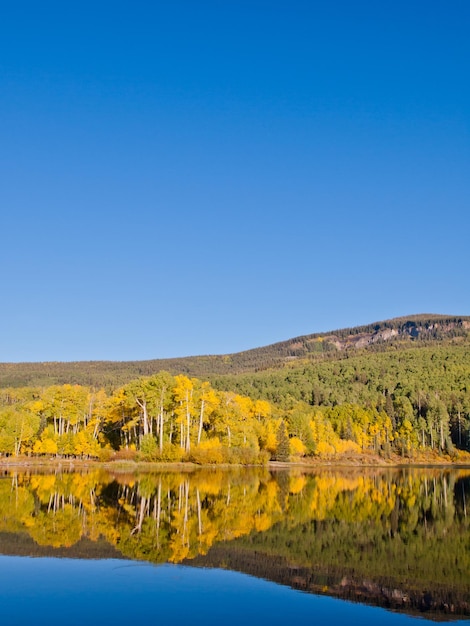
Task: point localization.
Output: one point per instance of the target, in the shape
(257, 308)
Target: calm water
(235, 546)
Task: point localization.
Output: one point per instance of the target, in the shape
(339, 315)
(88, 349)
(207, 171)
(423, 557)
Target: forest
(409, 398)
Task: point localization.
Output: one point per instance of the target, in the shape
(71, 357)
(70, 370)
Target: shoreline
(360, 462)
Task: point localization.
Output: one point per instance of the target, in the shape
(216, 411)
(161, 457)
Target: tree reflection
(407, 527)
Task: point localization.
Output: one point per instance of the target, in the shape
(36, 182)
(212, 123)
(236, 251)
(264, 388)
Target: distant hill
(395, 334)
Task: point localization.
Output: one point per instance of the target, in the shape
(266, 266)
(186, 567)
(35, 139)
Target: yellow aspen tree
(183, 395)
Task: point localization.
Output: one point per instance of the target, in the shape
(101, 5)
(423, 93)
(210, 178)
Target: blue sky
(186, 177)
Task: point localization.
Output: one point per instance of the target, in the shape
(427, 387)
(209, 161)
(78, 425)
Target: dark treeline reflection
(398, 538)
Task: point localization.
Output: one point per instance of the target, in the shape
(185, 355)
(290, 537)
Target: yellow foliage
(296, 484)
(261, 409)
(297, 447)
(45, 446)
(272, 489)
(325, 449)
(262, 522)
(172, 452)
(244, 404)
(271, 442)
(179, 551)
(209, 451)
(208, 483)
(344, 446)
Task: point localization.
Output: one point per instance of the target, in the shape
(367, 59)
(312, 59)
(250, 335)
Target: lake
(235, 545)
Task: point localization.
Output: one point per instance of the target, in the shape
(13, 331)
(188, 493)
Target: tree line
(403, 400)
(161, 417)
(384, 406)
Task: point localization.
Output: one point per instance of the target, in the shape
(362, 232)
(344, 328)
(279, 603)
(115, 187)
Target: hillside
(395, 334)
(394, 387)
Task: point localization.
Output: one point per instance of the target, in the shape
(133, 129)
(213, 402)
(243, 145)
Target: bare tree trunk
(186, 509)
(201, 419)
(159, 508)
(199, 520)
(96, 430)
(160, 428)
(188, 424)
(143, 406)
(140, 521)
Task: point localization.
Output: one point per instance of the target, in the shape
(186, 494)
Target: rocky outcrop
(400, 329)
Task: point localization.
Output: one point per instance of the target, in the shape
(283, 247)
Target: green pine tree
(282, 450)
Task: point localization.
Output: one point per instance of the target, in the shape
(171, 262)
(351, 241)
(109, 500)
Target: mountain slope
(395, 334)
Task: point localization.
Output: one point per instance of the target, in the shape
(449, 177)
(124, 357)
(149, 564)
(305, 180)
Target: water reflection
(395, 538)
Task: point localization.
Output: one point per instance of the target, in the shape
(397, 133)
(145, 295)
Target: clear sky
(194, 177)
